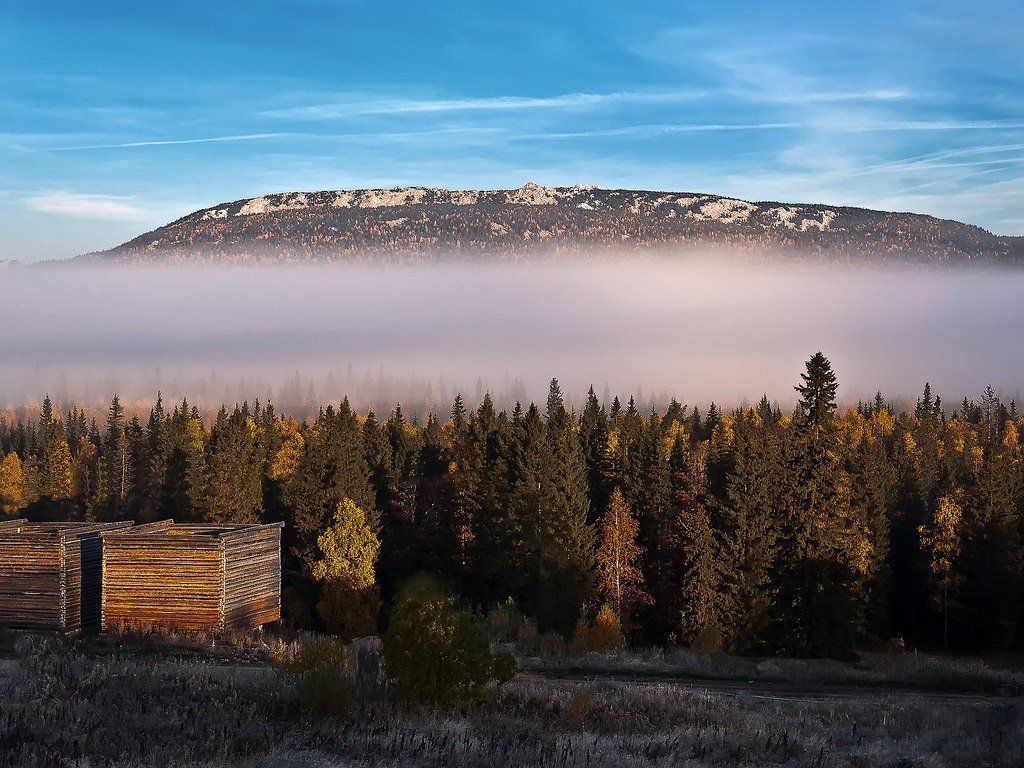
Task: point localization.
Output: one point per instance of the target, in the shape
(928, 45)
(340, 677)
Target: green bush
(507, 624)
(437, 651)
(327, 691)
(349, 613)
(296, 607)
(325, 685)
(505, 667)
(316, 654)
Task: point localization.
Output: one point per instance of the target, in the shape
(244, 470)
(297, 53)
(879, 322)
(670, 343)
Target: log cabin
(195, 577)
(51, 574)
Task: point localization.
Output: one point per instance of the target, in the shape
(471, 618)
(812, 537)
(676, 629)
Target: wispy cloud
(169, 142)
(852, 126)
(362, 105)
(656, 129)
(853, 123)
(360, 136)
(810, 96)
(86, 206)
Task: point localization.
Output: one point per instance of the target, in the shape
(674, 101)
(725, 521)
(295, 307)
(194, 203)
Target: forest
(813, 532)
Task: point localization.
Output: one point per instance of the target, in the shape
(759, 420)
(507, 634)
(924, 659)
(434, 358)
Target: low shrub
(505, 667)
(327, 690)
(349, 613)
(318, 653)
(507, 624)
(325, 670)
(550, 644)
(297, 607)
(436, 650)
(580, 707)
(602, 635)
(708, 640)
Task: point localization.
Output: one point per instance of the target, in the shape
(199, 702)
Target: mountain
(418, 224)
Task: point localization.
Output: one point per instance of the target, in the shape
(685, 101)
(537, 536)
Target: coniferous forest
(811, 532)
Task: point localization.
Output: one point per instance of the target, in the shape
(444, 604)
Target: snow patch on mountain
(583, 197)
(534, 194)
(827, 217)
(725, 210)
(791, 217)
(268, 203)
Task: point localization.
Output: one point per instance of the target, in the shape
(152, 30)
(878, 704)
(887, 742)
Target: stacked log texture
(51, 574)
(193, 577)
(252, 577)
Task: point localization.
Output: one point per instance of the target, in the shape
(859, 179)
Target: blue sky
(117, 117)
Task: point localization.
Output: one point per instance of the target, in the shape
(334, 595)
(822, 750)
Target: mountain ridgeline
(422, 225)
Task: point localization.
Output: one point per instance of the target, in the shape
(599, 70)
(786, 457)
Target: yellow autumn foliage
(12, 484)
(285, 462)
(612, 444)
(348, 549)
(883, 423)
(1010, 438)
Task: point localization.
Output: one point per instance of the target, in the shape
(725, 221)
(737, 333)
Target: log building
(51, 574)
(195, 577)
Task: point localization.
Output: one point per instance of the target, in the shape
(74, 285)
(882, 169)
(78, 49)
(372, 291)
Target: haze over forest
(696, 330)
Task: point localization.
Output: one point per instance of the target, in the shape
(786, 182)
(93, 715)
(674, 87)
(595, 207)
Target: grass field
(61, 705)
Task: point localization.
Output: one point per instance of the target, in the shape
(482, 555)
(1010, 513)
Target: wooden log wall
(161, 580)
(194, 577)
(30, 581)
(252, 577)
(50, 574)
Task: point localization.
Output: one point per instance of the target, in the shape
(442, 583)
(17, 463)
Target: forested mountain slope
(417, 224)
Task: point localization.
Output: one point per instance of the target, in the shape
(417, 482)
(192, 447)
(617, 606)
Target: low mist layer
(698, 331)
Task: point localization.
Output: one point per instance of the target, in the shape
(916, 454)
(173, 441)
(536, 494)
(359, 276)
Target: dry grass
(254, 645)
(62, 707)
(909, 670)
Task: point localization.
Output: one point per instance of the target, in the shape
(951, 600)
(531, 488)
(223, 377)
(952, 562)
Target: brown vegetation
(61, 707)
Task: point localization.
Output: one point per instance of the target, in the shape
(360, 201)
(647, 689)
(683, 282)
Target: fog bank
(697, 330)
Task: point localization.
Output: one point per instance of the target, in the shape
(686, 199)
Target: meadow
(145, 702)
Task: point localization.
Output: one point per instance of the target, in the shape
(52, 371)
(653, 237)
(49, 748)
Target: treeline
(812, 532)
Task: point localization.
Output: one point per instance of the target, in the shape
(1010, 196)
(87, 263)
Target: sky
(116, 117)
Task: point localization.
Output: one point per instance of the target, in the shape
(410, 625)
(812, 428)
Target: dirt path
(780, 691)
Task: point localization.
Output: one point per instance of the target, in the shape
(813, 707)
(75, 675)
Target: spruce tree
(700, 610)
(593, 435)
(990, 597)
(752, 517)
(568, 549)
(484, 490)
(524, 530)
(234, 470)
(333, 467)
(435, 493)
(154, 490)
(116, 472)
(815, 611)
(647, 485)
(189, 501)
